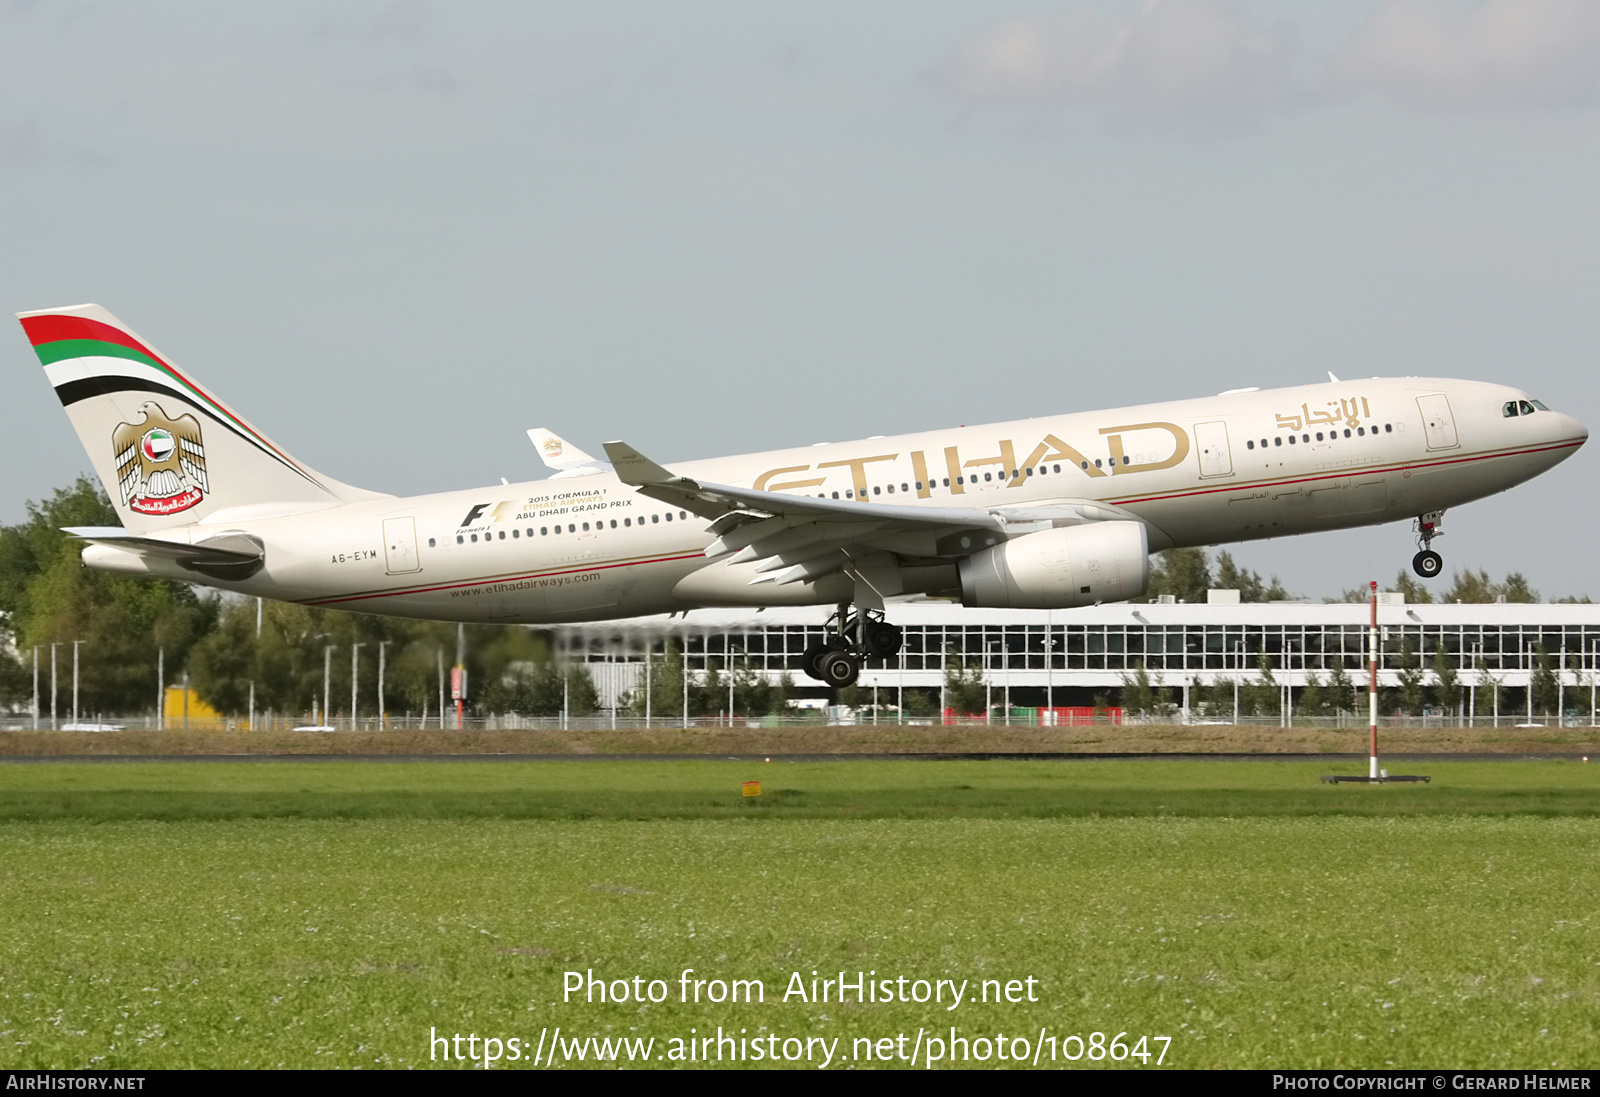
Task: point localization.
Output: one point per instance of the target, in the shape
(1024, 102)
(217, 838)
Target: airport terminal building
(1071, 657)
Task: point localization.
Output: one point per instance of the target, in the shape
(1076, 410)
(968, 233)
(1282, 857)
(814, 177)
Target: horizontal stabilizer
(229, 555)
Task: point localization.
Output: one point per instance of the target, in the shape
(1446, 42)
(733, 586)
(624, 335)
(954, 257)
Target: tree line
(1435, 683)
(136, 630)
(1186, 574)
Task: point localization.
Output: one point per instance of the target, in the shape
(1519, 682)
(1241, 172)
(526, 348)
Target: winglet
(635, 468)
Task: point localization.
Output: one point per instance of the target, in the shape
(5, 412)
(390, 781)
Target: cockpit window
(1510, 409)
(1527, 408)
(1540, 404)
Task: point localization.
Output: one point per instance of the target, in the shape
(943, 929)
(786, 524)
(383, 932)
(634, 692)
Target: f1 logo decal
(472, 515)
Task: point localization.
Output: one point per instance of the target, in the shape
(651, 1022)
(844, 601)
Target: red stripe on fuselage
(513, 578)
(1337, 475)
(1356, 470)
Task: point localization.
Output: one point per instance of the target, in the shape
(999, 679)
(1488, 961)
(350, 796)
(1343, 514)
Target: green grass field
(331, 914)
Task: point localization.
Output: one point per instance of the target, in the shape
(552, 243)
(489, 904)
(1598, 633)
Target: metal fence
(1016, 718)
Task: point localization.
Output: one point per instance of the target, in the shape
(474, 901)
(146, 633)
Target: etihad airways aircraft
(1050, 512)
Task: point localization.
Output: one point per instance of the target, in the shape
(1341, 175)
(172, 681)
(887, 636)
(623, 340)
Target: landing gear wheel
(881, 639)
(1427, 563)
(838, 668)
(808, 660)
(811, 658)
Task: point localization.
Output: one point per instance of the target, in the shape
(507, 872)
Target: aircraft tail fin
(168, 452)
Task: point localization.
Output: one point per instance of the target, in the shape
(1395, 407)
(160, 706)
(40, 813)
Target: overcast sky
(395, 235)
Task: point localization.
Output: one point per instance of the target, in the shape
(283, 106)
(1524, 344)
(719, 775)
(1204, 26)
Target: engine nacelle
(1060, 568)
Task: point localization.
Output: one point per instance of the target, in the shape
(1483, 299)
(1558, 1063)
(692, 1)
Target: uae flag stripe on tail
(56, 338)
(55, 329)
(65, 349)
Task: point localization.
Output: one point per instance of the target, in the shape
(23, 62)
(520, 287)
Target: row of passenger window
(1359, 432)
(572, 527)
(988, 477)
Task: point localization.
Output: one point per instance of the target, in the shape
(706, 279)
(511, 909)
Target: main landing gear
(1427, 563)
(860, 636)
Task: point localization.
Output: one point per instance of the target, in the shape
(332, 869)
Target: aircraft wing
(801, 537)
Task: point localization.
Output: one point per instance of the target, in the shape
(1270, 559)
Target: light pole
(1237, 675)
(989, 702)
(1593, 652)
(438, 654)
(55, 724)
(1050, 666)
(355, 651)
(900, 686)
(1561, 688)
(383, 651)
(36, 687)
(75, 644)
(1527, 659)
(1286, 698)
(1005, 667)
(1472, 687)
(327, 676)
(255, 655)
(649, 661)
(944, 681)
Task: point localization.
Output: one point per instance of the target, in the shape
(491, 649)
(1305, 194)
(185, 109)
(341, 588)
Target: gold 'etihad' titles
(1012, 471)
(1346, 410)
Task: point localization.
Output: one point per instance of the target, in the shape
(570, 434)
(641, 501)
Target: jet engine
(1060, 568)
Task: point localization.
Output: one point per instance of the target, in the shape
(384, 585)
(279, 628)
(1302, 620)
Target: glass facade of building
(1100, 645)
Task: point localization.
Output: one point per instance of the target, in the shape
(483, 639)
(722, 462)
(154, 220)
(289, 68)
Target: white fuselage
(1197, 472)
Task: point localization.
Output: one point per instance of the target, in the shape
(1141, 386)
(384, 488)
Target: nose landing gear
(1427, 563)
(864, 635)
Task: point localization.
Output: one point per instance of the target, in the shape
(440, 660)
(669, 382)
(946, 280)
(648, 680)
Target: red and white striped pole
(1372, 686)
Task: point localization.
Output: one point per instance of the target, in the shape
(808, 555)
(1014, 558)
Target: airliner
(1052, 512)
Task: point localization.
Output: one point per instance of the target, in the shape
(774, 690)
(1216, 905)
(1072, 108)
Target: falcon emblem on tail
(161, 462)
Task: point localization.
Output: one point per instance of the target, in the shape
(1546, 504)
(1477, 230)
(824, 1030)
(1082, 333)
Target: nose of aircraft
(1573, 431)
